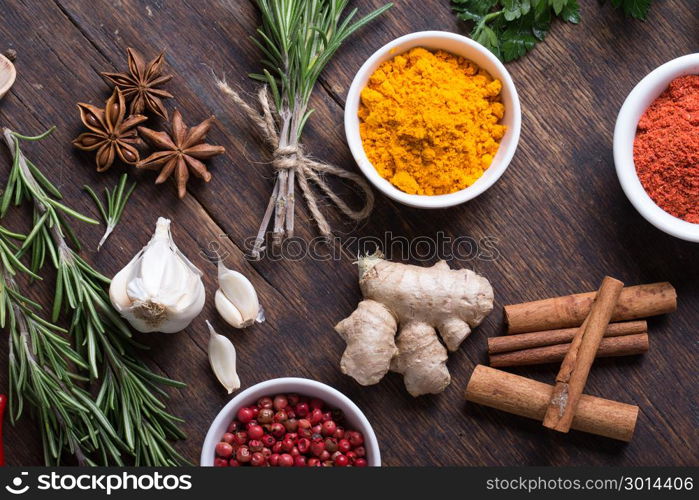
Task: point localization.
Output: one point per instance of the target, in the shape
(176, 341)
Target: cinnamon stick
(529, 398)
(509, 343)
(576, 365)
(635, 302)
(625, 345)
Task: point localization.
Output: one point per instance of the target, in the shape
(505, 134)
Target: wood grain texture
(558, 217)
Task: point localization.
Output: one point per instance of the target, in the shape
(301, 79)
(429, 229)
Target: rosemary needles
(120, 407)
(43, 375)
(116, 201)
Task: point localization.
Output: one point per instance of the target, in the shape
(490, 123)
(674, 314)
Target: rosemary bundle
(298, 38)
(128, 392)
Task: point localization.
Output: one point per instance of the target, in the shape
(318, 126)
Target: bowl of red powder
(656, 147)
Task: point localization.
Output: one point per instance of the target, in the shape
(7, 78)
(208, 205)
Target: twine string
(292, 157)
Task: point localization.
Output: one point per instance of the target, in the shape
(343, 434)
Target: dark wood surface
(559, 217)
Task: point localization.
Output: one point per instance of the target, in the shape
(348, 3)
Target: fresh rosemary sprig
(26, 182)
(298, 38)
(40, 361)
(128, 390)
(116, 201)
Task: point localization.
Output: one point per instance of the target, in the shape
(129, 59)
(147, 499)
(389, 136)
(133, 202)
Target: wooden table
(558, 216)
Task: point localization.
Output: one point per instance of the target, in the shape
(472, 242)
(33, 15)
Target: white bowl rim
(443, 200)
(624, 133)
(212, 437)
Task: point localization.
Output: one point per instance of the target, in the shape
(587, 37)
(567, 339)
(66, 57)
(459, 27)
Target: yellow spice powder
(429, 121)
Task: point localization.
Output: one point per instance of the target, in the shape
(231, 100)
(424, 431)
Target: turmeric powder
(429, 121)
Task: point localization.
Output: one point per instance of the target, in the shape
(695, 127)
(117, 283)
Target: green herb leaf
(514, 9)
(571, 12)
(557, 5)
(473, 10)
(637, 9)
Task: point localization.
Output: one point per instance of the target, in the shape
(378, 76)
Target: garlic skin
(222, 358)
(7, 75)
(160, 290)
(236, 299)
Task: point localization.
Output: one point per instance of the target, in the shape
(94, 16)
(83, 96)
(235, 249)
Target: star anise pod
(140, 84)
(181, 151)
(111, 133)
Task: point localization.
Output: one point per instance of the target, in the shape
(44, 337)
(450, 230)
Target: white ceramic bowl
(354, 417)
(461, 46)
(636, 103)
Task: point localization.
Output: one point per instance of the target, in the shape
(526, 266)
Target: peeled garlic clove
(236, 299)
(160, 290)
(239, 291)
(228, 311)
(222, 357)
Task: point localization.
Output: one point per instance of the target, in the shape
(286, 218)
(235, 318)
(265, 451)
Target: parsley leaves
(511, 28)
(632, 8)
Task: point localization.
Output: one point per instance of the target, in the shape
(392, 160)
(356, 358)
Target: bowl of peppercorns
(290, 422)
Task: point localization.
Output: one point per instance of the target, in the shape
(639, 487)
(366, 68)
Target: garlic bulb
(160, 290)
(236, 299)
(222, 358)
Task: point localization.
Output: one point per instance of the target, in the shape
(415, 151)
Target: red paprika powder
(666, 149)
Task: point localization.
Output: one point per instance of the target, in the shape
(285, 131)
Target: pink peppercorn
(245, 415)
(286, 460)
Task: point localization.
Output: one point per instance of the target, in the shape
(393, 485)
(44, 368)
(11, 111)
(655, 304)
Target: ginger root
(414, 302)
(370, 335)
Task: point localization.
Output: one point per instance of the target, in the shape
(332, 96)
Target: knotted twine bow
(292, 157)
